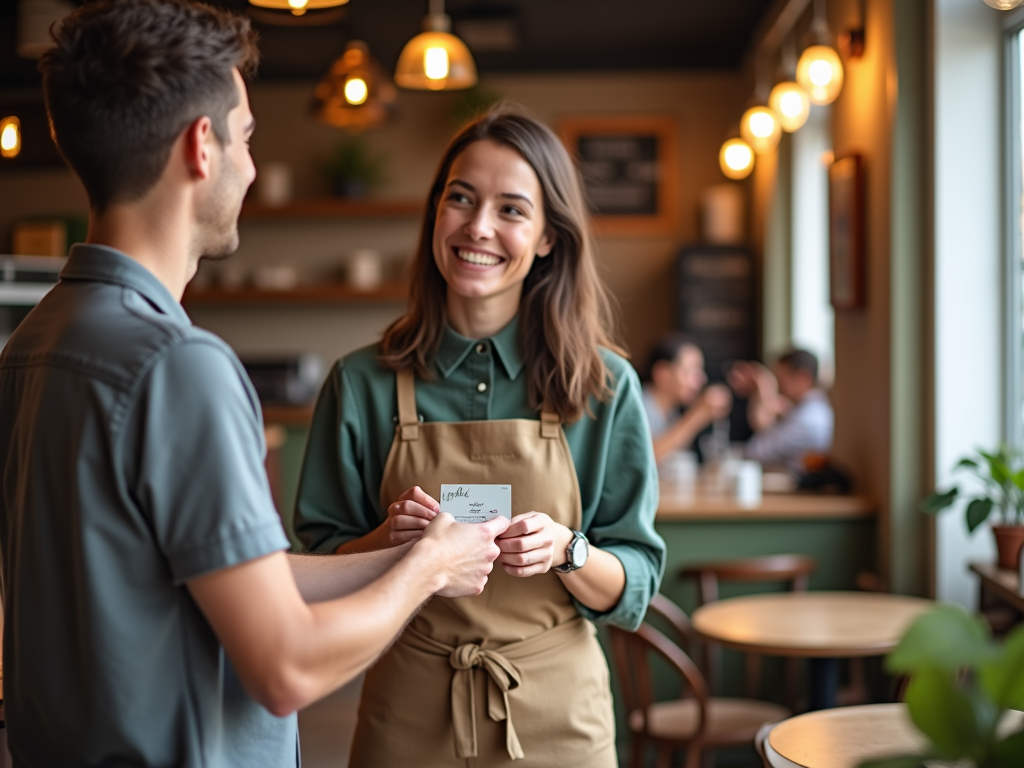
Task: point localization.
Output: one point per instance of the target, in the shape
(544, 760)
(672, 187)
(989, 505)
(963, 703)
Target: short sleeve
(623, 522)
(334, 505)
(200, 477)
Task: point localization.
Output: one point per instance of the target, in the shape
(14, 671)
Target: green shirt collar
(455, 347)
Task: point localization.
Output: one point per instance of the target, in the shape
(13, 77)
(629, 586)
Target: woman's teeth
(483, 259)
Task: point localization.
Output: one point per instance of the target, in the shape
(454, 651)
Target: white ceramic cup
(747, 478)
(678, 474)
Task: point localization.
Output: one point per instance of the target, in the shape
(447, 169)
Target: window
(1014, 232)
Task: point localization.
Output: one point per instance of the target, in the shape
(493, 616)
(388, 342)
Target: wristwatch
(575, 554)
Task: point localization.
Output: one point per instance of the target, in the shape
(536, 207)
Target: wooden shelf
(318, 293)
(332, 208)
(287, 415)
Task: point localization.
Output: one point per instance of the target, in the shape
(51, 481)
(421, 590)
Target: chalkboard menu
(716, 306)
(629, 169)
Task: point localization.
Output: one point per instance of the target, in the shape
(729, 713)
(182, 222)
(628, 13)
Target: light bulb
(435, 63)
(736, 159)
(356, 90)
(820, 72)
(760, 129)
(790, 102)
(1004, 5)
(10, 137)
(298, 6)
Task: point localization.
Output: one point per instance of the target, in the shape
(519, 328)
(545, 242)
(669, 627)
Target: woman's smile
(474, 258)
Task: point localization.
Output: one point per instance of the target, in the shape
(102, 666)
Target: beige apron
(514, 676)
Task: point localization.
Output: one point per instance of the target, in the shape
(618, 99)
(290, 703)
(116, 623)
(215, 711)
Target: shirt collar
(103, 264)
(455, 347)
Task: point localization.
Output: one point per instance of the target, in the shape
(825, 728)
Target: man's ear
(197, 146)
(547, 242)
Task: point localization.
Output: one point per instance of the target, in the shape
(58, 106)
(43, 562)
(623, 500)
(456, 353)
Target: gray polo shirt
(131, 447)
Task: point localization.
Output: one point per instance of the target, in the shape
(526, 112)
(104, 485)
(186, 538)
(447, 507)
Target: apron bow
(502, 676)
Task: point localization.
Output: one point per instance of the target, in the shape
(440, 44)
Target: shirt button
(481, 387)
(481, 348)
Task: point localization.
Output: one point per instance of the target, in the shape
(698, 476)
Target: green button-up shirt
(354, 424)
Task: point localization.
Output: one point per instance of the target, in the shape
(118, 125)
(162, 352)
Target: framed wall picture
(629, 168)
(846, 232)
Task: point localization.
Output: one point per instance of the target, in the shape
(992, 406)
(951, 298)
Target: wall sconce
(760, 128)
(736, 159)
(10, 137)
(436, 60)
(298, 7)
(355, 93)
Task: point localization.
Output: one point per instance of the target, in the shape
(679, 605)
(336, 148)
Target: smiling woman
(502, 371)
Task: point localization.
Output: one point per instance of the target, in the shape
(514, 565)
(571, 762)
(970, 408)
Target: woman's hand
(533, 544)
(409, 516)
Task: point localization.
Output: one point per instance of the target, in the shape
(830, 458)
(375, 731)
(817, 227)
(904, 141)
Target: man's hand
(533, 544)
(410, 515)
(461, 555)
(716, 400)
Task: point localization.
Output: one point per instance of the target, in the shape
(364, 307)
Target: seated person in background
(676, 378)
(790, 415)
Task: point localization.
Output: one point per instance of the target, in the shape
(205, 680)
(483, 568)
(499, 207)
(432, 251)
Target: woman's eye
(457, 197)
(512, 210)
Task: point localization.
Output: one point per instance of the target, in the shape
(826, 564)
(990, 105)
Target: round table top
(810, 624)
(847, 736)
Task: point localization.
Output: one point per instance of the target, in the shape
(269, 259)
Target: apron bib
(514, 676)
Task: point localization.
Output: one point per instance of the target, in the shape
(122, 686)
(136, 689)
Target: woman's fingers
(524, 572)
(418, 496)
(525, 524)
(411, 509)
(409, 523)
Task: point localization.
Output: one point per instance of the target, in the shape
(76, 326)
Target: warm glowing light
(820, 72)
(736, 159)
(298, 7)
(759, 127)
(435, 63)
(356, 90)
(1004, 5)
(10, 137)
(435, 60)
(790, 102)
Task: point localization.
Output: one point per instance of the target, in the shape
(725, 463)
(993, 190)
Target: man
(137, 531)
(789, 413)
(676, 378)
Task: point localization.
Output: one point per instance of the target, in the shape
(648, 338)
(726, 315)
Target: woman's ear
(547, 243)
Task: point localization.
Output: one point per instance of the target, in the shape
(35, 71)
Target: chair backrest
(795, 569)
(632, 650)
(676, 618)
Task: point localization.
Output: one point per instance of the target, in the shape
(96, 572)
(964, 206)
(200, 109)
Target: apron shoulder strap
(408, 419)
(550, 423)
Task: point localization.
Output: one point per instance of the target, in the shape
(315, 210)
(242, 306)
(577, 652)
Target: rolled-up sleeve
(333, 505)
(622, 519)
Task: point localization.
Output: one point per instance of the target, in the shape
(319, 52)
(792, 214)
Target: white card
(475, 503)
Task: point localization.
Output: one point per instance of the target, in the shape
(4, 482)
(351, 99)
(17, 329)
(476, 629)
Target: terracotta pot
(1009, 542)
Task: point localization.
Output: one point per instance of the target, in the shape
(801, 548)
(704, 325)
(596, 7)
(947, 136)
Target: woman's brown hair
(566, 312)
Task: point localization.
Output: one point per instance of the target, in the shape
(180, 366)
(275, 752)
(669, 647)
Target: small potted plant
(353, 170)
(962, 687)
(1002, 478)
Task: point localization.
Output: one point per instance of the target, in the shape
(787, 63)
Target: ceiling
(549, 35)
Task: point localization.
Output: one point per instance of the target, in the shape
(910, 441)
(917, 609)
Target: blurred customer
(789, 413)
(676, 379)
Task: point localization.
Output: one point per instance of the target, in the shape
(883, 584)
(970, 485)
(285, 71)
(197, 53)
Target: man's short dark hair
(126, 77)
(800, 360)
(667, 350)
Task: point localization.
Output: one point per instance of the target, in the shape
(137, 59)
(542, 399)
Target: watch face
(579, 553)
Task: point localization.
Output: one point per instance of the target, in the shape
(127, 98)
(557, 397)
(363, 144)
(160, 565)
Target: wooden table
(821, 626)
(1003, 584)
(845, 737)
(774, 506)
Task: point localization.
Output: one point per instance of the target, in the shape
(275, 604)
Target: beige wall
(638, 269)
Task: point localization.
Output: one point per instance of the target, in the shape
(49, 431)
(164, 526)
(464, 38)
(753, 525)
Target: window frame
(1013, 230)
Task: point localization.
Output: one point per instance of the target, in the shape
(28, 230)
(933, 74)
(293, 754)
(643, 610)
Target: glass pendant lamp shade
(436, 60)
(356, 93)
(760, 128)
(789, 101)
(820, 72)
(1004, 5)
(736, 159)
(10, 137)
(298, 7)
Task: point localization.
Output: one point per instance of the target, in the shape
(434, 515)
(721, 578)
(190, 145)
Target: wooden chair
(695, 722)
(794, 570)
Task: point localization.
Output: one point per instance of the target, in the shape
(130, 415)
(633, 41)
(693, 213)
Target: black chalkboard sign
(628, 165)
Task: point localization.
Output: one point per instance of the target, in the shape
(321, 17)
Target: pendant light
(436, 60)
(10, 137)
(788, 100)
(298, 7)
(736, 159)
(820, 70)
(760, 128)
(1004, 5)
(356, 93)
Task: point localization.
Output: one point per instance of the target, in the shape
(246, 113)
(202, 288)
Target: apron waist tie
(502, 676)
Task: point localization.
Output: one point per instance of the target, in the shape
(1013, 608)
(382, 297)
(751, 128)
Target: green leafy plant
(961, 685)
(353, 169)
(1002, 477)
